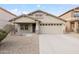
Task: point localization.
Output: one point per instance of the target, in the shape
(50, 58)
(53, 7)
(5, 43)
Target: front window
(23, 26)
(26, 27)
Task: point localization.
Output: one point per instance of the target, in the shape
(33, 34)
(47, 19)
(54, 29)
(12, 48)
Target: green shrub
(3, 34)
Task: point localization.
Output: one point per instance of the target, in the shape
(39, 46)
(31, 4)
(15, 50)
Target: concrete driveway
(61, 43)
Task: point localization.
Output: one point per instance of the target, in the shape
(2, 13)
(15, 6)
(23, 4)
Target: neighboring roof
(7, 11)
(69, 11)
(22, 16)
(46, 13)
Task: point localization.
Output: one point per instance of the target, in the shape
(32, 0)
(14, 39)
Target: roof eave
(8, 11)
(68, 11)
(23, 16)
(46, 13)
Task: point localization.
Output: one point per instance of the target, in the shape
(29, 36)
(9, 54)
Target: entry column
(76, 26)
(68, 27)
(17, 27)
(37, 27)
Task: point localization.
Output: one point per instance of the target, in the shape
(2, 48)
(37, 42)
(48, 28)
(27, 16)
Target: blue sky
(55, 9)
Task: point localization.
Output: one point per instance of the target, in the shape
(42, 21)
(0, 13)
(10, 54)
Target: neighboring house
(72, 18)
(39, 22)
(5, 16)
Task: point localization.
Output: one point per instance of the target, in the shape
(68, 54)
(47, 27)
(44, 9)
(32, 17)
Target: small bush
(3, 34)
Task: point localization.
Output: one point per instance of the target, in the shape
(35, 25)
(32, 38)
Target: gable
(24, 20)
(68, 16)
(46, 17)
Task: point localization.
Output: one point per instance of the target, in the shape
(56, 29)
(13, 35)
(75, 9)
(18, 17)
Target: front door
(33, 28)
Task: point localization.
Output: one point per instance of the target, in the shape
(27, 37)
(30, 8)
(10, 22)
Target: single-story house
(39, 22)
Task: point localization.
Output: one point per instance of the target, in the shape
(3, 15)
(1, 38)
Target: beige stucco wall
(67, 16)
(4, 18)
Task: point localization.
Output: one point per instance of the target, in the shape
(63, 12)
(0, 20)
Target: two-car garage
(55, 28)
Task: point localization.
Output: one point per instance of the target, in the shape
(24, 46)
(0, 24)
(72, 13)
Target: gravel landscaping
(28, 44)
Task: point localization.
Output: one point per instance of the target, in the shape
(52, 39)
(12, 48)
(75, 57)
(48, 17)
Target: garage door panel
(51, 29)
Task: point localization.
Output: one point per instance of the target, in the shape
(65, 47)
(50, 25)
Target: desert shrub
(3, 34)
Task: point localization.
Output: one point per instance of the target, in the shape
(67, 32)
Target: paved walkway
(61, 43)
(20, 44)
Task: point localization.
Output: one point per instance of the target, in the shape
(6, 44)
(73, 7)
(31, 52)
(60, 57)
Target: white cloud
(26, 12)
(16, 11)
(19, 12)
